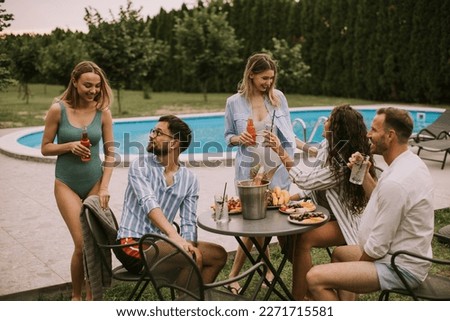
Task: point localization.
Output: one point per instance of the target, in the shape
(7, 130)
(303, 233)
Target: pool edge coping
(9, 145)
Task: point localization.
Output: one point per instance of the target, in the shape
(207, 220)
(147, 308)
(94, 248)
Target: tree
(124, 48)
(58, 58)
(292, 70)
(5, 18)
(5, 62)
(206, 46)
(315, 24)
(25, 50)
(331, 84)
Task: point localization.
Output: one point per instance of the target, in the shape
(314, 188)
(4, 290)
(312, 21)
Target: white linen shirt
(147, 189)
(400, 215)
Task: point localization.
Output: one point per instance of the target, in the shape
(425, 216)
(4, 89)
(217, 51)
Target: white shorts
(390, 280)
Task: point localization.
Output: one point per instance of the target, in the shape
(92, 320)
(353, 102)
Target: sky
(43, 16)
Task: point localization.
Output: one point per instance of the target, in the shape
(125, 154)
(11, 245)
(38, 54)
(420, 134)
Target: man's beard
(380, 146)
(151, 148)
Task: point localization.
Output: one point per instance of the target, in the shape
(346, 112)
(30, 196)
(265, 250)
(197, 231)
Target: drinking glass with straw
(271, 127)
(221, 207)
(273, 120)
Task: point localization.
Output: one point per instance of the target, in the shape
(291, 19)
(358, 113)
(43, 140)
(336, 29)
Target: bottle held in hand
(251, 129)
(85, 142)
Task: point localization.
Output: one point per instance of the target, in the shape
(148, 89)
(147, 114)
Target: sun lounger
(439, 127)
(435, 145)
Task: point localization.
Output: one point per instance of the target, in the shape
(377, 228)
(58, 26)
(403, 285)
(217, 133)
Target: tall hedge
(390, 50)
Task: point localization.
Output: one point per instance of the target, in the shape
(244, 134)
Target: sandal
(265, 285)
(232, 289)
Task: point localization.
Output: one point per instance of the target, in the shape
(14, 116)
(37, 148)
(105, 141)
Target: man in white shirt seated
(398, 216)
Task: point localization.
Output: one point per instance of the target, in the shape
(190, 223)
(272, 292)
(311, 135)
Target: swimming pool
(131, 135)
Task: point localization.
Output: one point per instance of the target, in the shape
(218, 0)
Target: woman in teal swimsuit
(85, 103)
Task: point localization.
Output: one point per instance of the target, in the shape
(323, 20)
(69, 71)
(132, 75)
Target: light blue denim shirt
(237, 111)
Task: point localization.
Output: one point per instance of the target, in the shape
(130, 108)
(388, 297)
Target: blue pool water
(132, 136)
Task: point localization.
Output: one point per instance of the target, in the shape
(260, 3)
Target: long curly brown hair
(347, 135)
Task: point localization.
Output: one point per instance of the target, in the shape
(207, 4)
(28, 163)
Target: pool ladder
(320, 120)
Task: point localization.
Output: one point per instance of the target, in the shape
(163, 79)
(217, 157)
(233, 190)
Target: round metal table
(274, 224)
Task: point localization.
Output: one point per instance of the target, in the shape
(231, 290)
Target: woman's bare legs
(326, 235)
(239, 260)
(69, 205)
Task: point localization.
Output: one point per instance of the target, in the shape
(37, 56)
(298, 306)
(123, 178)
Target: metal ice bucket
(253, 199)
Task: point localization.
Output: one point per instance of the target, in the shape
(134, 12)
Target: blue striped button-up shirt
(147, 189)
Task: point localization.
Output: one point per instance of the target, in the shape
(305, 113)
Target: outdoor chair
(103, 243)
(438, 127)
(443, 235)
(434, 288)
(440, 144)
(175, 275)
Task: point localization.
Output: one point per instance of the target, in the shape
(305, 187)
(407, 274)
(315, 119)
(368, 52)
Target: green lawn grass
(120, 290)
(14, 112)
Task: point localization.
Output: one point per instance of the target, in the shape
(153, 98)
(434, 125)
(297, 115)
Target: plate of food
(234, 206)
(299, 207)
(307, 218)
(308, 205)
(277, 197)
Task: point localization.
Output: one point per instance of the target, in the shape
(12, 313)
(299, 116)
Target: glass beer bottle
(251, 128)
(257, 180)
(85, 142)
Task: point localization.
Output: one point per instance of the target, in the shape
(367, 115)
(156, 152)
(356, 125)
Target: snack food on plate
(297, 207)
(277, 196)
(308, 205)
(307, 217)
(234, 205)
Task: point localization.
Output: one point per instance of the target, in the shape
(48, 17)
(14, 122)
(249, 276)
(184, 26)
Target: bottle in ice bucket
(85, 142)
(257, 180)
(251, 128)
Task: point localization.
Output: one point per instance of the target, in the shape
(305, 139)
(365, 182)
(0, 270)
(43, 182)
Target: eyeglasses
(158, 132)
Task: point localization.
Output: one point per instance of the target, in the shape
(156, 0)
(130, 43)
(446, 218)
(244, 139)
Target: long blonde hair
(104, 98)
(257, 64)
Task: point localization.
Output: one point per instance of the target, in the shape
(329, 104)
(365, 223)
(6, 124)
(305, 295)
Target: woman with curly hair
(328, 185)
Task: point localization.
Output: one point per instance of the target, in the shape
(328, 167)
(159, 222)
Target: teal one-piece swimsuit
(79, 176)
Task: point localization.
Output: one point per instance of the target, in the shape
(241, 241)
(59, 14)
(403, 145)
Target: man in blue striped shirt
(159, 187)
